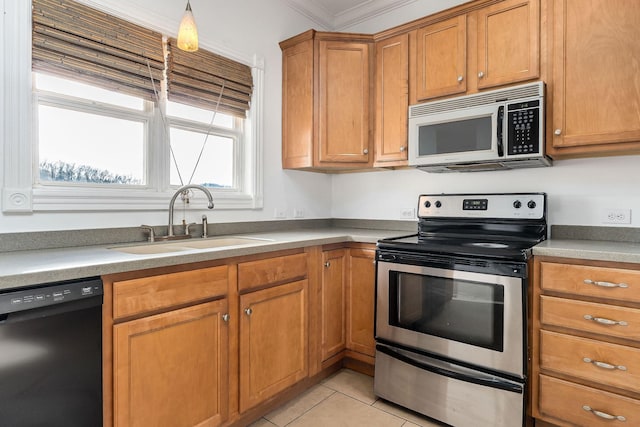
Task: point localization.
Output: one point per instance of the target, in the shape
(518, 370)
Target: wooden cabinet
(391, 101)
(593, 77)
(170, 362)
(440, 59)
(586, 343)
(333, 318)
(492, 46)
(273, 341)
(326, 91)
(361, 301)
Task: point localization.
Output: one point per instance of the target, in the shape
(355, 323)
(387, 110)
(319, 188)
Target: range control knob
(531, 204)
(438, 204)
(427, 204)
(517, 204)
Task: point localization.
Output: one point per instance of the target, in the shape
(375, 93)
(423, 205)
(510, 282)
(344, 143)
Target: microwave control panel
(523, 128)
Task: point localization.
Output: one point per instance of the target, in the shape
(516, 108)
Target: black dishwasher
(51, 355)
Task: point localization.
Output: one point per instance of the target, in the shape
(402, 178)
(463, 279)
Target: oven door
(474, 318)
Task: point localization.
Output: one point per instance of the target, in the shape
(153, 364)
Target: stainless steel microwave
(499, 129)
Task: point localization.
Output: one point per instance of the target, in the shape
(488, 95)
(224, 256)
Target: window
(100, 141)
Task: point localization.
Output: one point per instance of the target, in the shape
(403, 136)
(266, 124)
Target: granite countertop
(30, 267)
(596, 250)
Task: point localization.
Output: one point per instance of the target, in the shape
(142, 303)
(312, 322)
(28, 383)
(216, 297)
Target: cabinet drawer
(613, 283)
(611, 364)
(570, 402)
(610, 320)
(136, 296)
(270, 271)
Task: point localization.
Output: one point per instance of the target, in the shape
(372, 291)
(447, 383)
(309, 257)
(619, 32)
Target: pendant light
(188, 33)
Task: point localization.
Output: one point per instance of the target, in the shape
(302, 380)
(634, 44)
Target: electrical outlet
(616, 216)
(298, 213)
(409, 213)
(279, 213)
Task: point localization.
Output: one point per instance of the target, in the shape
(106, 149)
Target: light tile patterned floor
(345, 399)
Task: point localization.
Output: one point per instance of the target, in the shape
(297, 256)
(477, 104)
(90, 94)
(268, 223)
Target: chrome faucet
(183, 190)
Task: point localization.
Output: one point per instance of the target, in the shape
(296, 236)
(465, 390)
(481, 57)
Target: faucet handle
(204, 227)
(186, 228)
(149, 229)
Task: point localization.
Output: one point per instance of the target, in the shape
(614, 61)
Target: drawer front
(610, 320)
(611, 364)
(613, 283)
(146, 294)
(584, 406)
(271, 271)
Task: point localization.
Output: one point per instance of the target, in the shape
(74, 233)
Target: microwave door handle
(500, 131)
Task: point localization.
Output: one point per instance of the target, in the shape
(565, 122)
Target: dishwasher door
(51, 355)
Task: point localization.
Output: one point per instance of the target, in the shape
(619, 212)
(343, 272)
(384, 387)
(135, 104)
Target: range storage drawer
(609, 320)
(610, 283)
(605, 363)
(577, 405)
(154, 293)
(271, 271)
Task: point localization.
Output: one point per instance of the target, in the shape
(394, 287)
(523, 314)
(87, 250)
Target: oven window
(455, 137)
(454, 309)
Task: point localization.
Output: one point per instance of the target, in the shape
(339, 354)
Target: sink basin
(190, 244)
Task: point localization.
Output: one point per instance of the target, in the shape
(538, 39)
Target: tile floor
(345, 399)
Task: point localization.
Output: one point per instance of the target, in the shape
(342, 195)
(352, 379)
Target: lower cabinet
(334, 263)
(273, 341)
(171, 369)
(361, 301)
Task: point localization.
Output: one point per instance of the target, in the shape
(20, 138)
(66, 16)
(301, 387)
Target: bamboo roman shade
(196, 79)
(81, 43)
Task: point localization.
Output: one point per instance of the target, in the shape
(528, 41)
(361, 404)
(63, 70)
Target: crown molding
(362, 11)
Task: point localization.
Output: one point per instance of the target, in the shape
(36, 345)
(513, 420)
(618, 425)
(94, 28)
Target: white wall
(578, 190)
(247, 28)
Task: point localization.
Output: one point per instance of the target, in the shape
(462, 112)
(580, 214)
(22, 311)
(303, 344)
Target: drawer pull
(604, 321)
(605, 284)
(604, 365)
(603, 414)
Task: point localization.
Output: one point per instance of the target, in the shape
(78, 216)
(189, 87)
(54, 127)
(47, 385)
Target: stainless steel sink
(191, 244)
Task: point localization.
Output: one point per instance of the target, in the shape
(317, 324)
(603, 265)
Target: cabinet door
(508, 43)
(333, 302)
(344, 127)
(297, 106)
(595, 74)
(171, 369)
(392, 101)
(361, 301)
(273, 341)
(440, 59)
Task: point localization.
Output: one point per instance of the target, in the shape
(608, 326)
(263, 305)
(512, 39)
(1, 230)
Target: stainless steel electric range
(451, 308)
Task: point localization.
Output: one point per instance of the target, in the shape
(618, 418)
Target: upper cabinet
(593, 66)
(326, 97)
(391, 101)
(492, 46)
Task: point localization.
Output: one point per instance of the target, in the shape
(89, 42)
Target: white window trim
(18, 129)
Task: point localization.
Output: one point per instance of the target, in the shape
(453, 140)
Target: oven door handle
(451, 370)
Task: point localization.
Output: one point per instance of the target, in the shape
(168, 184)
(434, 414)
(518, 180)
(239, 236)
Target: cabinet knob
(225, 317)
(603, 284)
(248, 311)
(327, 264)
(558, 132)
(365, 151)
(603, 414)
(403, 148)
(480, 74)
(604, 365)
(460, 79)
(605, 321)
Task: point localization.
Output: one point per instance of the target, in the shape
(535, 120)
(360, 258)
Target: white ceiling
(340, 14)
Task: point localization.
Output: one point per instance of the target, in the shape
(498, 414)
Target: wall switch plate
(279, 213)
(298, 213)
(408, 213)
(616, 216)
